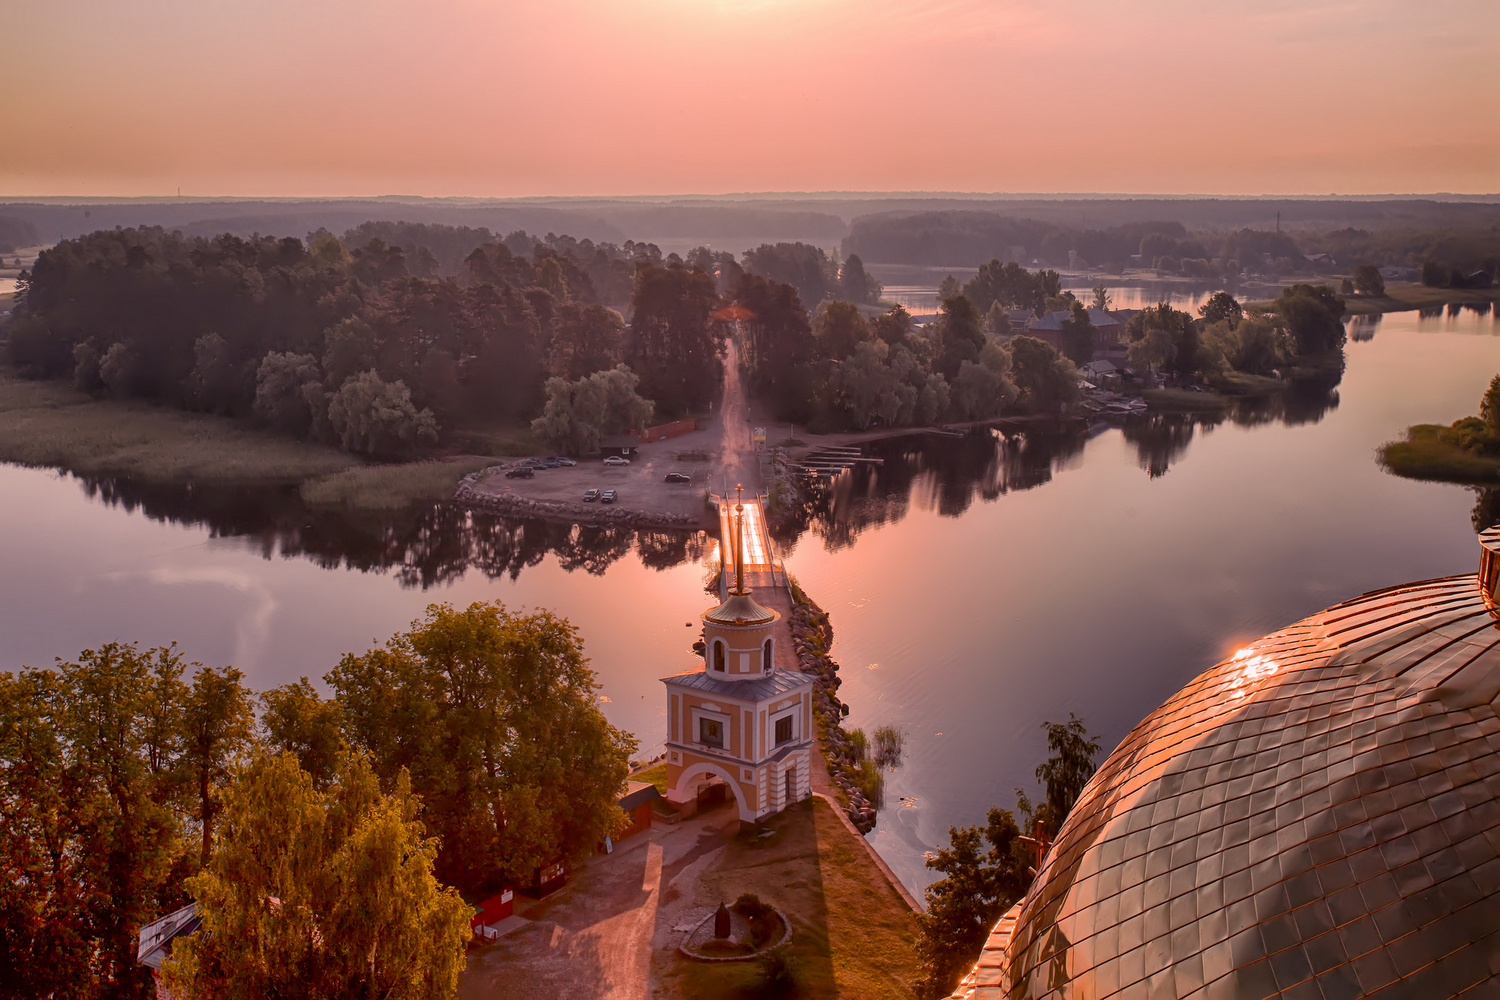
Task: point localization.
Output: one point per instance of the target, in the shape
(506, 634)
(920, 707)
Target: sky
(502, 98)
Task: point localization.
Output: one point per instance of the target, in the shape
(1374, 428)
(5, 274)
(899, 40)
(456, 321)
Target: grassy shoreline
(1425, 455)
(1406, 297)
(51, 425)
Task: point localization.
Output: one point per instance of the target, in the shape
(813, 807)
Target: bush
(761, 917)
(779, 975)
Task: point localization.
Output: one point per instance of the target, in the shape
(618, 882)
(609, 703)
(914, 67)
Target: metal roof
(762, 688)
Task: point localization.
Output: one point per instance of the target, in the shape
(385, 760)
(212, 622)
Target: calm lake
(978, 586)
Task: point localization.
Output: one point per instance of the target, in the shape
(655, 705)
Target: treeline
(127, 790)
(15, 233)
(961, 237)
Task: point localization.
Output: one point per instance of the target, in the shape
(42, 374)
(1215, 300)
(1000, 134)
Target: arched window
(765, 658)
(718, 655)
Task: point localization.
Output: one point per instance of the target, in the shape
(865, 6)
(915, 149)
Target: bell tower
(736, 724)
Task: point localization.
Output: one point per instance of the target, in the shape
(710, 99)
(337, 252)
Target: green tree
(217, 724)
(585, 339)
(578, 415)
(281, 397)
(348, 349)
(1257, 345)
(1079, 335)
(47, 945)
(673, 342)
(1046, 380)
(1153, 351)
(295, 719)
(978, 886)
(960, 333)
(892, 326)
(1314, 315)
(374, 417)
(856, 284)
(1068, 767)
(496, 716)
(321, 894)
(217, 383)
(1101, 298)
(1221, 307)
(1435, 274)
(840, 328)
(1489, 406)
(1367, 280)
(948, 288)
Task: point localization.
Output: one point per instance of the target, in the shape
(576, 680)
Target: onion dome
(1317, 815)
(740, 609)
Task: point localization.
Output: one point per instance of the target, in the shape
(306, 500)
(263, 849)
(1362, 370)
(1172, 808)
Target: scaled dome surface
(1317, 816)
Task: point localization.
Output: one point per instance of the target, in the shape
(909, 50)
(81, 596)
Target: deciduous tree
(496, 716)
(321, 895)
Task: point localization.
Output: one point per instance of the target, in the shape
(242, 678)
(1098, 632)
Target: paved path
(593, 939)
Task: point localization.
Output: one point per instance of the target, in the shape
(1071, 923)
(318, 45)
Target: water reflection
(948, 473)
(422, 547)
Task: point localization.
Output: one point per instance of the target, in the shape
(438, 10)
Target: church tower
(737, 719)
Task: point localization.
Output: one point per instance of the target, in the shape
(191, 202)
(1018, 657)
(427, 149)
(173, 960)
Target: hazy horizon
(648, 97)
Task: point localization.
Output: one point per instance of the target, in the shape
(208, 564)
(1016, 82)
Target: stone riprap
(812, 637)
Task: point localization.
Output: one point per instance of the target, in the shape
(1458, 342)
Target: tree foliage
(673, 343)
(103, 763)
(579, 414)
(374, 417)
(980, 885)
(495, 716)
(321, 894)
(1314, 315)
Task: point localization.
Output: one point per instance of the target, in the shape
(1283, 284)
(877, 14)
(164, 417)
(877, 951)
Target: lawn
(52, 424)
(1398, 298)
(852, 934)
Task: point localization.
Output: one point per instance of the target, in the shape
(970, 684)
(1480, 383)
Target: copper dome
(1316, 816)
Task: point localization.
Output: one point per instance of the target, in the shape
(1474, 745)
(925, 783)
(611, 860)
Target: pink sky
(618, 97)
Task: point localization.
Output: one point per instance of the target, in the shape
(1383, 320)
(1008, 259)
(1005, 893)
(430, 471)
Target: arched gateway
(737, 717)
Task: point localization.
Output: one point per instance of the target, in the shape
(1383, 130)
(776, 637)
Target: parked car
(521, 472)
(548, 463)
(590, 496)
(565, 461)
(616, 460)
(608, 496)
(677, 477)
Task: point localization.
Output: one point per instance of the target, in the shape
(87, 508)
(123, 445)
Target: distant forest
(968, 238)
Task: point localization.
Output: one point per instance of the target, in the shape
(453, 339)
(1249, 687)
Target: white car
(616, 460)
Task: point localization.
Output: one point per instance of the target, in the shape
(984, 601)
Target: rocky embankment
(812, 637)
(514, 505)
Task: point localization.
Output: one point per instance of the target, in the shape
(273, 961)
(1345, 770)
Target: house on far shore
(1051, 327)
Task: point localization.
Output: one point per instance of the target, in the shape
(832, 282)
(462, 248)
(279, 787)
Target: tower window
(718, 656)
(783, 730)
(765, 662)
